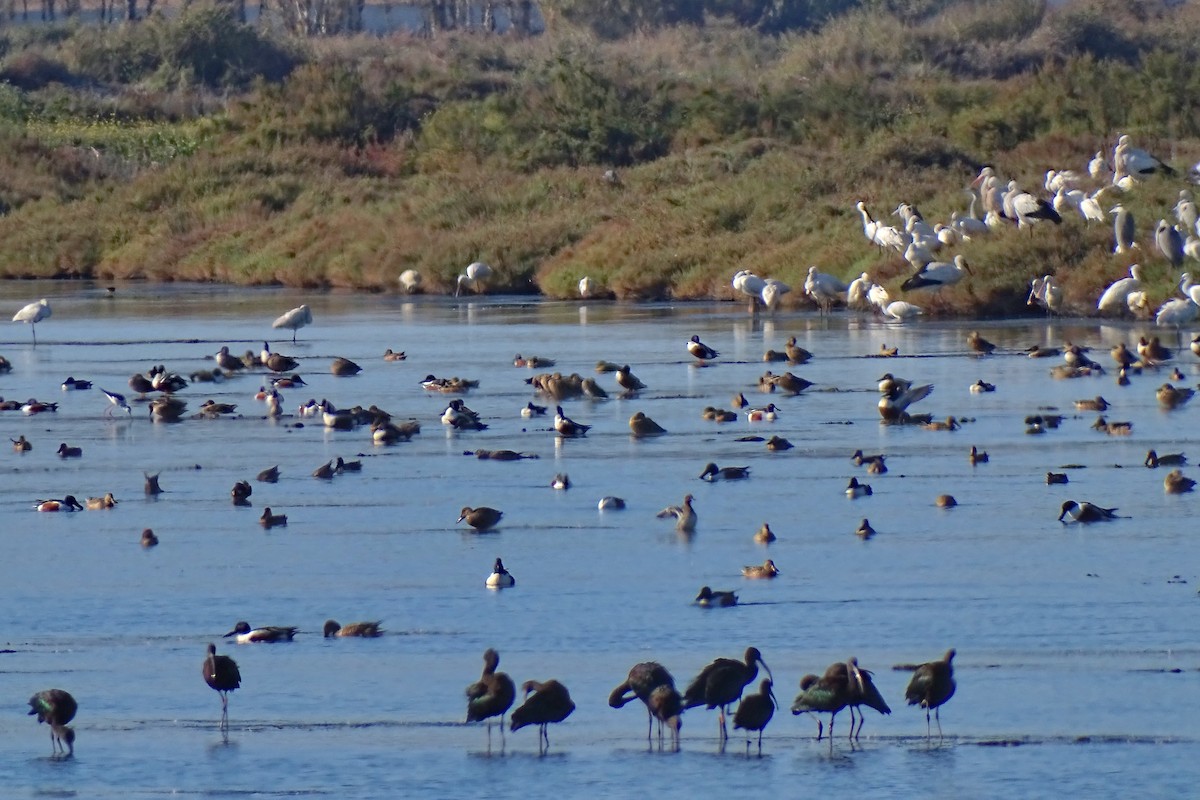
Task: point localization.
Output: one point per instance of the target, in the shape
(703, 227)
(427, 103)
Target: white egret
(33, 314)
(476, 274)
(295, 319)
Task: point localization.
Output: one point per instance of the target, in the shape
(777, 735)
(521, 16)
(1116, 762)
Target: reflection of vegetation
(203, 148)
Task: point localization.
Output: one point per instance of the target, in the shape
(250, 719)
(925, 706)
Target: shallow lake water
(1077, 653)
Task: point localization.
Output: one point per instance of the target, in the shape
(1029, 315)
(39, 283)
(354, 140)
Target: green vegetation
(198, 148)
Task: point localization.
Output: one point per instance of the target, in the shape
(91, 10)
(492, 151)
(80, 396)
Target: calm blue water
(1076, 645)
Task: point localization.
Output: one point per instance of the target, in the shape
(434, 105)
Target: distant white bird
(991, 193)
(586, 287)
(1090, 206)
(918, 255)
(33, 314)
(410, 281)
(772, 291)
(1064, 179)
(856, 293)
(749, 285)
(1185, 210)
(1046, 293)
(946, 235)
(1191, 248)
(823, 288)
(969, 226)
(475, 274)
(1098, 167)
(879, 297)
(901, 311)
(888, 236)
(1133, 161)
(295, 319)
(1114, 298)
(938, 274)
(870, 226)
(1026, 208)
(1138, 304)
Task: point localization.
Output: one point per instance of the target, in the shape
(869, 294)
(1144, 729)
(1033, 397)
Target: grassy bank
(344, 162)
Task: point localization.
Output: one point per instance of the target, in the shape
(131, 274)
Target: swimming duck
(945, 501)
(1113, 428)
(700, 350)
(533, 362)
(240, 493)
(1169, 397)
(977, 457)
(149, 539)
(167, 409)
(207, 376)
(269, 520)
(31, 407)
(876, 467)
(796, 355)
(981, 386)
(778, 443)
(390, 355)
(858, 459)
(718, 415)
(855, 490)
(1122, 355)
(287, 382)
(764, 535)
(710, 599)
(70, 384)
(268, 475)
(344, 367)
(641, 425)
(607, 366)
(530, 410)
(107, 501)
(791, 384)
(865, 531)
(978, 344)
(460, 417)
(365, 630)
(768, 414)
(1073, 511)
(1098, 404)
(69, 452)
(341, 466)
(68, 503)
(1153, 459)
(324, 472)
(610, 503)
(1056, 477)
(888, 352)
(561, 481)
(482, 518)
(1176, 483)
(739, 401)
(567, 426)
(685, 515)
(242, 633)
(1037, 351)
(765, 570)
(774, 355)
(713, 473)
(21, 444)
(1153, 352)
(277, 362)
(949, 424)
(628, 381)
(228, 362)
(500, 577)
(213, 410)
(151, 486)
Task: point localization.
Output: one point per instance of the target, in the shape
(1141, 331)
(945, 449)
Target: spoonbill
(937, 274)
(587, 287)
(900, 311)
(476, 274)
(1116, 296)
(410, 281)
(750, 285)
(33, 314)
(772, 291)
(823, 288)
(294, 320)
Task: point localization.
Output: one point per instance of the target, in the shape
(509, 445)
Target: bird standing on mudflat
(56, 707)
(550, 702)
(222, 675)
(490, 696)
(932, 685)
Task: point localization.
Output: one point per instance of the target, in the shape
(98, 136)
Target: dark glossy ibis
(56, 707)
(721, 683)
(490, 696)
(222, 675)
(550, 702)
(862, 693)
(931, 686)
(755, 711)
(643, 680)
(829, 693)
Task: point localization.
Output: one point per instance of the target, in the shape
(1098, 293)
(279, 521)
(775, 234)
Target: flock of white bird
(997, 204)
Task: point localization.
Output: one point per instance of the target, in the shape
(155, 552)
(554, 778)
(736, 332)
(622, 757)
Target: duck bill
(231, 633)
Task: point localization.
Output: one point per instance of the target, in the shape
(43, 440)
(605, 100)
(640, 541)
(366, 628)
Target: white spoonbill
(1115, 297)
(1181, 310)
(772, 291)
(587, 287)
(879, 297)
(856, 293)
(870, 226)
(937, 274)
(410, 281)
(1046, 293)
(1090, 206)
(295, 319)
(33, 314)
(823, 288)
(476, 274)
(1098, 167)
(750, 285)
(900, 311)
(1185, 209)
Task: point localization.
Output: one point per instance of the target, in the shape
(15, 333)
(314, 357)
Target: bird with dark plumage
(700, 350)
(56, 707)
(651, 683)
(550, 702)
(862, 692)
(755, 711)
(721, 683)
(481, 519)
(932, 685)
(1073, 511)
(707, 598)
(490, 696)
(829, 694)
(222, 675)
(365, 630)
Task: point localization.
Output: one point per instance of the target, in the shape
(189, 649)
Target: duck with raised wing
(767, 569)
(684, 515)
